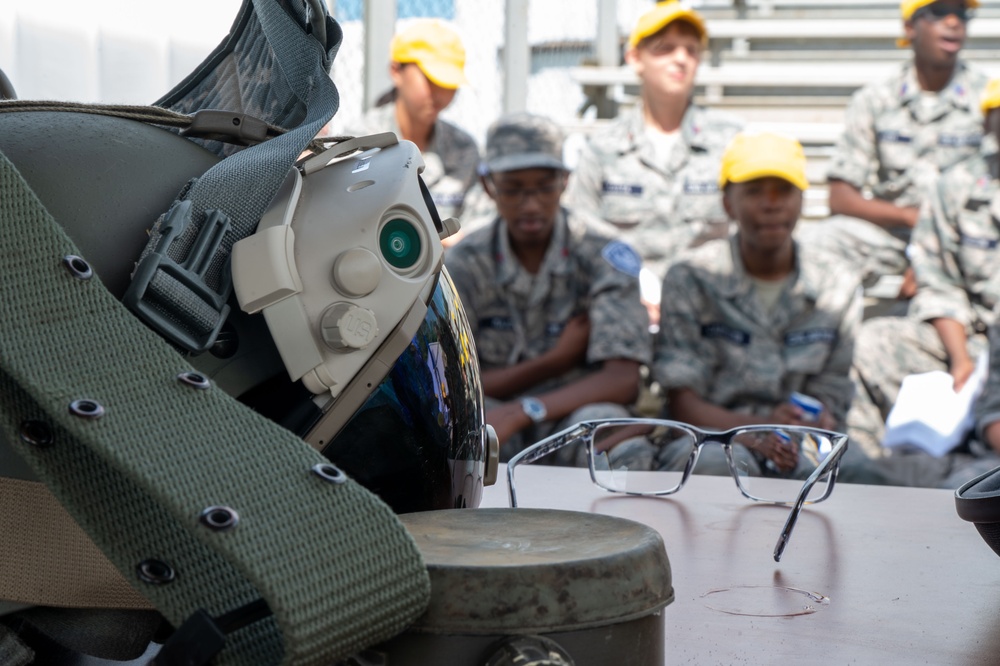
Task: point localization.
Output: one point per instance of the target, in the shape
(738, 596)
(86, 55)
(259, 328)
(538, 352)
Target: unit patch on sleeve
(623, 258)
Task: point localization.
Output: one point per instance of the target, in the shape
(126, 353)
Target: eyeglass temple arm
(793, 515)
(541, 449)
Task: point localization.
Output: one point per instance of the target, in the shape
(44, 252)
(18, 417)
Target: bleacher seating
(791, 66)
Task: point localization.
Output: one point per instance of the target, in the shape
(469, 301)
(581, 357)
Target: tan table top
(871, 575)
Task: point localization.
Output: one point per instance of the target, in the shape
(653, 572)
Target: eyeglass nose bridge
(521, 196)
(944, 12)
(701, 439)
(727, 445)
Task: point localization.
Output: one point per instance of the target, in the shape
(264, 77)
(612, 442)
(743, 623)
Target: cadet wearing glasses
(898, 136)
(747, 321)
(551, 295)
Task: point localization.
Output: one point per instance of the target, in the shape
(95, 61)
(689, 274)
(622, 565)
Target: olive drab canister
(518, 586)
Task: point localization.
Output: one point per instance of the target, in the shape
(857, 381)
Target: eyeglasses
(515, 196)
(936, 12)
(773, 451)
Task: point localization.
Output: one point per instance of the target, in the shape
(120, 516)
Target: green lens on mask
(400, 244)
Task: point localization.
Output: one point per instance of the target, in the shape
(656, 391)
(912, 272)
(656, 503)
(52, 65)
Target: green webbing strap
(333, 563)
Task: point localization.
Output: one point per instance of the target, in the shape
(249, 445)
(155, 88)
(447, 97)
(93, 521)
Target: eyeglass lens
(758, 454)
(521, 195)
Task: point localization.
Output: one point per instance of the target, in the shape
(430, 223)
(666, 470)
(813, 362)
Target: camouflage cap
(523, 141)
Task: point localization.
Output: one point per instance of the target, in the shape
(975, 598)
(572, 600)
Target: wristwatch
(534, 408)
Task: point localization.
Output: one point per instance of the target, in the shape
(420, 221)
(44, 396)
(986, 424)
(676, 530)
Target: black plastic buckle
(173, 320)
(195, 643)
(227, 126)
(202, 637)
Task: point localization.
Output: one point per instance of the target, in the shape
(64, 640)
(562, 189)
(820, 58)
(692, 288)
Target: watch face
(534, 408)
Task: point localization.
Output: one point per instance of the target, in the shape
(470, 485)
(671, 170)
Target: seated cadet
(985, 447)
(981, 452)
(551, 295)
(746, 321)
(427, 67)
(653, 173)
(898, 136)
(954, 252)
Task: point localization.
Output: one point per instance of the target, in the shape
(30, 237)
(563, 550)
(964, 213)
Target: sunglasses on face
(936, 12)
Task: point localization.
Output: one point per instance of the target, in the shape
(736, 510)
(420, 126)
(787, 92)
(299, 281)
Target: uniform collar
(691, 127)
(806, 279)
(956, 93)
(556, 259)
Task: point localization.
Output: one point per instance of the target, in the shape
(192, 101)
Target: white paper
(929, 415)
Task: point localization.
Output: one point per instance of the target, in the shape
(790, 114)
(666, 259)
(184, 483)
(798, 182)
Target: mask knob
(357, 272)
(346, 327)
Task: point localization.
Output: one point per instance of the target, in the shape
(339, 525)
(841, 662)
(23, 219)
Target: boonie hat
(752, 155)
(435, 48)
(663, 14)
(523, 141)
(909, 7)
(991, 96)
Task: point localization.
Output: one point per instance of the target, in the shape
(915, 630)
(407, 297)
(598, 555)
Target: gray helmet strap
(271, 68)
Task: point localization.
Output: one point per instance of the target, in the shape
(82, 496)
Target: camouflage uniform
(451, 158)
(895, 143)
(716, 339)
(661, 203)
(982, 457)
(969, 460)
(517, 316)
(954, 252)
(988, 405)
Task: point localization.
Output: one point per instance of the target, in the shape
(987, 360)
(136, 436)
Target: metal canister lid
(534, 571)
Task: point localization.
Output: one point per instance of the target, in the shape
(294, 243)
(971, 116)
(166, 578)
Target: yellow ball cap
(435, 48)
(991, 96)
(909, 7)
(756, 155)
(662, 15)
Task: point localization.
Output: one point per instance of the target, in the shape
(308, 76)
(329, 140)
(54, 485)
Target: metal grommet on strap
(78, 267)
(86, 409)
(155, 572)
(36, 433)
(219, 518)
(194, 380)
(329, 472)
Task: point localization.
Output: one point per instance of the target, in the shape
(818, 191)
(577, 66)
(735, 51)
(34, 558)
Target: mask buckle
(173, 298)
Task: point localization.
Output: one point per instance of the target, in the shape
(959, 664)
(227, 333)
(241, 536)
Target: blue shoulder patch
(622, 257)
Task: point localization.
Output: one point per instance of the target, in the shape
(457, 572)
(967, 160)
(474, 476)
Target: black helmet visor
(419, 441)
